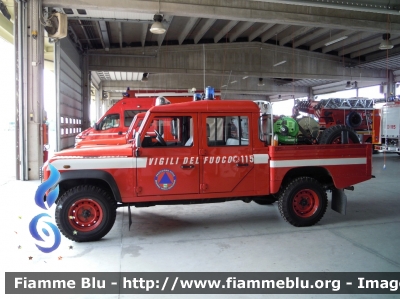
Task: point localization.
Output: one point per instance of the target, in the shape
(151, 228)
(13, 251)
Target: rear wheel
(85, 213)
(303, 202)
(333, 135)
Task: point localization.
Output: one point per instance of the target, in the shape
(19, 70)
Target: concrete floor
(226, 237)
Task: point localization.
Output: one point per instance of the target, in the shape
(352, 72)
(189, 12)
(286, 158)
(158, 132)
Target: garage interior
(254, 50)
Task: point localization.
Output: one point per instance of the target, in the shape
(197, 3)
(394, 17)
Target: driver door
(169, 152)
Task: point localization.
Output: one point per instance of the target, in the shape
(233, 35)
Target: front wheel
(85, 213)
(303, 202)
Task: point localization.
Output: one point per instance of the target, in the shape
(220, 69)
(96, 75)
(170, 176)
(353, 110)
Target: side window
(129, 115)
(228, 130)
(215, 128)
(110, 121)
(169, 131)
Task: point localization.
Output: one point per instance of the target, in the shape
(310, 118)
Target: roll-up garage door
(68, 69)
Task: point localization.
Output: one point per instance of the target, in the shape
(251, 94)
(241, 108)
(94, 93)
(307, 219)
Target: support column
(35, 66)
(29, 95)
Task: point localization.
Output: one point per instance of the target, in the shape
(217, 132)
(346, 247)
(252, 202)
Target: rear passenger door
(226, 153)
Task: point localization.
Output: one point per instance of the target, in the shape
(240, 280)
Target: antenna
(204, 68)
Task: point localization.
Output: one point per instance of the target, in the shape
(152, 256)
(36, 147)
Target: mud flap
(130, 216)
(339, 201)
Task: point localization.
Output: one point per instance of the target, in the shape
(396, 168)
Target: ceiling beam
(357, 37)
(309, 37)
(322, 43)
(374, 6)
(85, 33)
(239, 29)
(259, 31)
(186, 30)
(360, 46)
(373, 48)
(254, 11)
(225, 30)
(104, 34)
(340, 86)
(203, 30)
(120, 34)
(243, 59)
(243, 87)
(145, 29)
(293, 35)
(273, 31)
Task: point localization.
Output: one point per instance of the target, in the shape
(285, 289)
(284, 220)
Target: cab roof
(229, 106)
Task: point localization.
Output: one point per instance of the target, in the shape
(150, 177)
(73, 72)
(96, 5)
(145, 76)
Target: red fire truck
(100, 140)
(116, 121)
(223, 151)
(355, 113)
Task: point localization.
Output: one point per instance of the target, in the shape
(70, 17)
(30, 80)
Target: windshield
(135, 124)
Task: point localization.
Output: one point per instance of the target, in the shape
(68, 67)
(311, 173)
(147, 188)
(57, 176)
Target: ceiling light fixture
(260, 82)
(245, 77)
(157, 27)
(233, 82)
(145, 77)
(279, 63)
(224, 86)
(336, 40)
(385, 44)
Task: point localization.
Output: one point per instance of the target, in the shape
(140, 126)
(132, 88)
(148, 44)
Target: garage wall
(68, 69)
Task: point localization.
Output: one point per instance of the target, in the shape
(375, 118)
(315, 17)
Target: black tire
(354, 119)
(85, 213)
(303, 202)
(333, 135)
(265, 200)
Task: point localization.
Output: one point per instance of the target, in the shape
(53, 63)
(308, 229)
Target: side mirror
(137, 140)
(96, 127)
(137, 143)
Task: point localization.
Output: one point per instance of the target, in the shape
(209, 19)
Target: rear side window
(227, 130)
(129, 115)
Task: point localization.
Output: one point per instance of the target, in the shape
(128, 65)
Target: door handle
(187, 166)
(242, 164)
